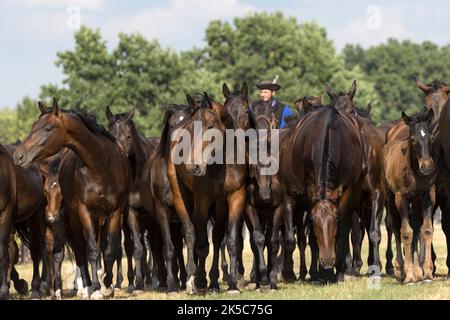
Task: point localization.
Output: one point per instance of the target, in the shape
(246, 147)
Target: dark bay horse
(370, 210)
(21, 205)
(265, 211)
(410, 175)
(157, 196)
(138, 149)
(198, 186)
(436, 98)
(331, 182)
(95, 181)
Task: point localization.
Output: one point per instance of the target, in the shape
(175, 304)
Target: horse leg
(357, 235)
(275, 246)
(138, 250)
(236, 206)
(389, 267)
(119, 255)
(406, 233)
(313, 269)
(128, 246)
(92, 249)
(112, 244)
(378, 200)
(218, 233)
(49, 249)
(200, 220)
(223, 259)
(240, 262)
(288, 241)
(35, 252)
(20, 285)
(257, 240)
(162, 216)
(301, 243)
(426, 233)
(5, 230)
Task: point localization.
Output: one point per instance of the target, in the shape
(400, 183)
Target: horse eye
(49, 128)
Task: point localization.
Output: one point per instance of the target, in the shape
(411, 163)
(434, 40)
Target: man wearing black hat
(281, 111)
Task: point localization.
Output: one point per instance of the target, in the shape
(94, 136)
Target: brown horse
(138, 149)
(21, 205)
(157, 196)
(373, 196)
(332, 183)
(198, 186)
(436, 98)
(304, 104)
(265, 210)
(410, 175)
(94, 178)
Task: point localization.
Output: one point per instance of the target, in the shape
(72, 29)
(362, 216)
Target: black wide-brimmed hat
(269, 85)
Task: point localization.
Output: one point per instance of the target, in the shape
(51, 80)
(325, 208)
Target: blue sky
(32, 31)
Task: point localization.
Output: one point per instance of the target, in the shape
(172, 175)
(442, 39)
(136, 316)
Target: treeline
(140, 73)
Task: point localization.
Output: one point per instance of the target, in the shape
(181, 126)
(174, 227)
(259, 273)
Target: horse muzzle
(196, 170)
(426, 166)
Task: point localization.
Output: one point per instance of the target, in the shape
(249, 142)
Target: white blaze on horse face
(422, 133)
(181, 118)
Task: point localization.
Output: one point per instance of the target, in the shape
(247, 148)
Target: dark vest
(278, 112)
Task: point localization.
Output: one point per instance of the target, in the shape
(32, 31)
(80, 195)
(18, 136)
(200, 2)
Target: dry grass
(356, 288)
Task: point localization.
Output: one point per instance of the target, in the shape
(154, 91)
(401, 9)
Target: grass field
(355, 288)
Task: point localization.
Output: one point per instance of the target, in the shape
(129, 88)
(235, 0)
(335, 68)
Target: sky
(33, 31)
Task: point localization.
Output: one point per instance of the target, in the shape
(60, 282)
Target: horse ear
(244, 90)
(320, 97)
(405, 117)
(130, 114)
(207, 100)
(55, 107)
(298, 104)
(329, 91)
(191, 101)
(42, 107)
(109, 114)
(352, 91)
(225, 91)
(422, 86)
(369, 107)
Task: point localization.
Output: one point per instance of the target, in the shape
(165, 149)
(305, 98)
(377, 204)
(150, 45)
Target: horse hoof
(234, 292)
(3, 296)
(107, 292)
(252, 286)
(57, 295)
(136, 293)
(22, 287)
(427, 281)
(97, 295)
(130, 289)
(214, 291)
(35, 295)
(264, 288)
(201, 292)
(390, 272)
(190, 286)
(83, 293)
(241, 283)
(117, 291)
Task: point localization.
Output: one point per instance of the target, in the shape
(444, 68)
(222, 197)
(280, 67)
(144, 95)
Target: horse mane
(418, 117)
(170, 110)
(436, 85)
(89, 121)
(328, 170)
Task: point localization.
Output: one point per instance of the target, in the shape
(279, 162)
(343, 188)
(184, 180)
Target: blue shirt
(286, 113)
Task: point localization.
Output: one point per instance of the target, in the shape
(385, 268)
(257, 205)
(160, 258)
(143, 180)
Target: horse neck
(93, 149)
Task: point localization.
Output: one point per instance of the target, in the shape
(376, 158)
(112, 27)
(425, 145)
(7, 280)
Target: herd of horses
(74, 186)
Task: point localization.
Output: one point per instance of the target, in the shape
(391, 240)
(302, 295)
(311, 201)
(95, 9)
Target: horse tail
(24, 233)
(330, 153)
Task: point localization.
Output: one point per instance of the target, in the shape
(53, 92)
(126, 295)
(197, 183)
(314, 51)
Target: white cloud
(50, 4)
(366, 31)
(180, 23)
